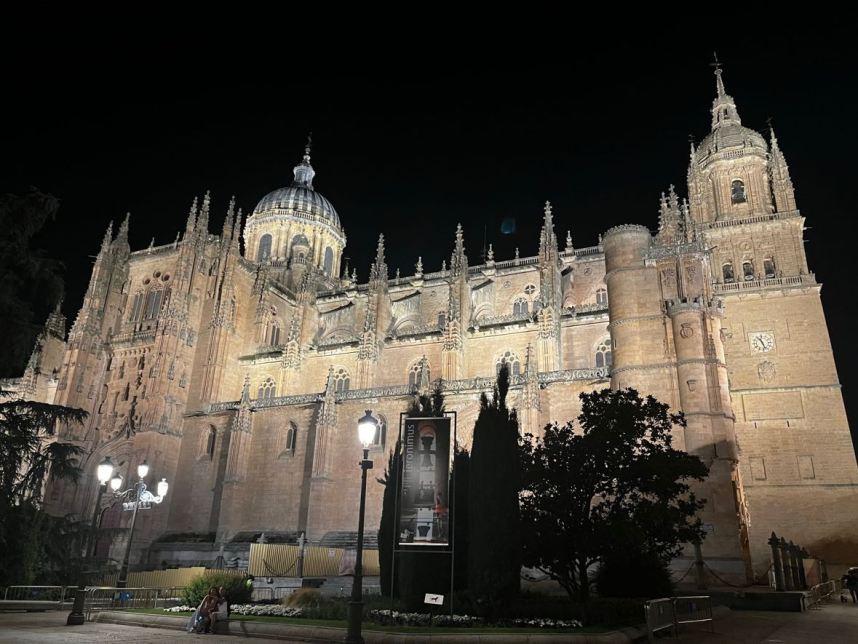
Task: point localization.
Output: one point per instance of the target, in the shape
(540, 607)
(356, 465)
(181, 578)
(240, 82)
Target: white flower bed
(180, 609)
(270, 610)
(396, 618)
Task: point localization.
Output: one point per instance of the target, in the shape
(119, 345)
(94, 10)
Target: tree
(616, 485)
(388, 524)
(32, 283)
(30, 456)
(494, 551)
(459, 485)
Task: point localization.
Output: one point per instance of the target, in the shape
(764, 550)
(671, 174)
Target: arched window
(769, 267)
(380, 432)
(603, 353)
(601, 297)
(328, 263)
(511, 360)
(263, 254)
(210, 442)
(274, 334)
(748, 270)
(290, 440)
(737, 191)
(266, 389)
(442, 319)
(520, 307)
(341, 380)
(727, 271)
(136, 307)
(414, 373)
(153, 304)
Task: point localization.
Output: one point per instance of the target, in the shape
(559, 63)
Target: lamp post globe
(104, 471)
(143, 469)
(116, 483)
(367, 428)
(163, 486)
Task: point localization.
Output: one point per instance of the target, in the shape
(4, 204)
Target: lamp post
(367, 427)
(104, 472)
(141, 499)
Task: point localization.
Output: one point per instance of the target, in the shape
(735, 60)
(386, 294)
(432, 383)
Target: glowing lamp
(367, 427)
(104, 471)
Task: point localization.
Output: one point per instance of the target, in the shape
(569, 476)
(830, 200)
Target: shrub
(633, 574)
(303, 597)
(237, 590)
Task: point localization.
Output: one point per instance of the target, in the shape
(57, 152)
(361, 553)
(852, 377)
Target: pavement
(51, 627)
(832, 623)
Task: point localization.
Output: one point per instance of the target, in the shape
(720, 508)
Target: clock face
(762, 342)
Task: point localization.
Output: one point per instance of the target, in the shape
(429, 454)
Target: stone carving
(767, 371)
(692, 385)
(686, 331)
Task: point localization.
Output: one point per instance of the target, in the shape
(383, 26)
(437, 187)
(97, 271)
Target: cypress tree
(494, 551)
(387, 524)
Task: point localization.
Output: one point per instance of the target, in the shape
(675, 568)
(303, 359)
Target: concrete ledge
(790, 601)
(310, 633)
(27, 605)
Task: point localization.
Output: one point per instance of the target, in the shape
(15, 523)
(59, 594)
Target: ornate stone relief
(767, 371)
(686, 331)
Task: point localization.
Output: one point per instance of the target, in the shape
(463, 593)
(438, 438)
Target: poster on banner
(424, 517)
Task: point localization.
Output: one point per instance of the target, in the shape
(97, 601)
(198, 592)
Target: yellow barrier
(169, 578)
(281, 560)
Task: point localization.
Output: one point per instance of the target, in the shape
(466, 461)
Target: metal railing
(670, 612)
(99, 598)
(822, 592)
(36, 593)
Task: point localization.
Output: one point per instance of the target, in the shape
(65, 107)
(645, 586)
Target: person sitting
(204, 611)
(221, 611)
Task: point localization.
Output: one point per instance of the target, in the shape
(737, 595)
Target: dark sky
(411, 137)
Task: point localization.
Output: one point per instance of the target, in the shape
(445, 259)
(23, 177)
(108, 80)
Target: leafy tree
(494, 551)
(388, 524)
(30, 456)
(615, 485)
(32, 283)
(459, 485)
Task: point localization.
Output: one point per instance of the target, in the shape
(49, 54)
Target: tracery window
(737, 191)
(748, 270)
(341, 380)
(136, 307)
(154, 299)
(263, 253)
(727, 271)
(769, 267)
(520, 307)
(328, 263)
(603, 353)
(414, 373)
(601, 297)
(266, 389)
(442, 319)
(380, 432)
(530, 289)
(210, 442)
(290, 440)
(511, 360)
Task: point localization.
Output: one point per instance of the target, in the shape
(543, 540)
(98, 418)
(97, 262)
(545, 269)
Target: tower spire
(303, 172)
(724, 110)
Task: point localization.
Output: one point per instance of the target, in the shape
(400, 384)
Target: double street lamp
(136, 497)
(367, 428)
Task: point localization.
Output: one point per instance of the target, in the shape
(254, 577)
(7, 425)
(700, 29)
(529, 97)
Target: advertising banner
(424, 517)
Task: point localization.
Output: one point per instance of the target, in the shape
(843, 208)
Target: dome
(299, 199)
(731, 136)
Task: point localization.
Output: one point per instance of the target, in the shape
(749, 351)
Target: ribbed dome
(731, 136)
(298, 199)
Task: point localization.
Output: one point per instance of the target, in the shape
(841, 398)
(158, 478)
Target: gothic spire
(379, 267)
(122, 235)
(458, 260)
(723, 107)
(547, 238)
(227, 223)
(203, 220)
(235, 246)
(303, 172)
(192, 219)
(108, 238)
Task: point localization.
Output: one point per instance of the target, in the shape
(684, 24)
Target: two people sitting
(213, 607)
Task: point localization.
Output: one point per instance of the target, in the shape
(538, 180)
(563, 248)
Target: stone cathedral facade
(240, 376)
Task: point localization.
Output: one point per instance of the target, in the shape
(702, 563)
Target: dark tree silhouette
(612, 485)
(494, 551)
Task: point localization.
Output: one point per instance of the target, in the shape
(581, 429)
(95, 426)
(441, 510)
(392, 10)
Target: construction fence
(169, 578)
(281, 560)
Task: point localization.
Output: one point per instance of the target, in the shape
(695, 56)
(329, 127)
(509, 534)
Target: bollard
(76, 616)
(777, 565)
(800, 554)
(787, 564)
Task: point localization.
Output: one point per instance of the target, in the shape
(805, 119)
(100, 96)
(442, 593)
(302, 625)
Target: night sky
(411, 138)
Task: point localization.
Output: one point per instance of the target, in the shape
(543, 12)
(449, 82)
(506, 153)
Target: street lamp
(141, 499)
(367, 428)
(104, 472)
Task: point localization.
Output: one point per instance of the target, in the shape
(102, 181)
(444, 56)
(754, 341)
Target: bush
(633, 574)
(237, 590)
(303, 597)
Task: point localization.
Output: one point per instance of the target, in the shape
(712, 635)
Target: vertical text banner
(424, 518)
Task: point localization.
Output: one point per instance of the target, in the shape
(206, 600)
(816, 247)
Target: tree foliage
(30, 456)
(32, 283)
(494, 532)
(615, 484)
(388, 524)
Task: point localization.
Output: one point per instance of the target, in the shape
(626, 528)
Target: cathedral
(240, 375)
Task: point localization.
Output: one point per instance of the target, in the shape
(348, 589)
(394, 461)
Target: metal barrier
(36, 593)
(659, 616)
(262, 593)
(670, 612)
(100, 598)
(822, 592)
